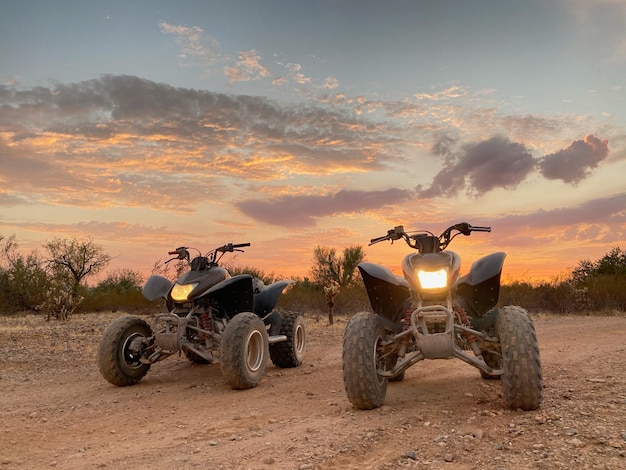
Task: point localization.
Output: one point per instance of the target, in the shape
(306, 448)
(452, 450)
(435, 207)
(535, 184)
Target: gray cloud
(122, 139)
(575, 163)
(443, 145)
(303, 210)
(500, 163)
(479, 168)
(609, 210)
(112, 105)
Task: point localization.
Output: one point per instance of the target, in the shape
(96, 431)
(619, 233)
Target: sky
(148, 125)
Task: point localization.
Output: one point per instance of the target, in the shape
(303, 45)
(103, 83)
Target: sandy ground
(56, 411)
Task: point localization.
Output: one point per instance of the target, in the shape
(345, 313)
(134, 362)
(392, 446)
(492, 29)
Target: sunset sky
(147, 125)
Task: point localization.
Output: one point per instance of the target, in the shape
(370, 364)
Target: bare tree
(71, 261)
(77, 259)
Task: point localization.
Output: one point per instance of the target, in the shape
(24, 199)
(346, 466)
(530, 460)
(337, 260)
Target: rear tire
(290, 353)
(120, 349)
(522, 380)
(365, 388)
(244, 351)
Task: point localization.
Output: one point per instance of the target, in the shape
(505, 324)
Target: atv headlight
(180, 292)
(433, 279)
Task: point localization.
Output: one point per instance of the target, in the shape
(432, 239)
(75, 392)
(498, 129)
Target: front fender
(156, 287)
(479, 289)
(387, 292)
(233, 295)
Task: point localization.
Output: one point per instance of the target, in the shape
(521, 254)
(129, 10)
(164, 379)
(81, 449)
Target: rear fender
(388, 293)
(267, 298)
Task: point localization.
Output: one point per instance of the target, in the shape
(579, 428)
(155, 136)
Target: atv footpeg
(169, 330)
(433, 329)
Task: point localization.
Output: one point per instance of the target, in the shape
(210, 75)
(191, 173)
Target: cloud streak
(294, 211)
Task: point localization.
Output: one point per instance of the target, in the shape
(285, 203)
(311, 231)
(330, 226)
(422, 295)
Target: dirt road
(56, 411)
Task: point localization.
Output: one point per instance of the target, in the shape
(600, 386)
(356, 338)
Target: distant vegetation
(54, 283)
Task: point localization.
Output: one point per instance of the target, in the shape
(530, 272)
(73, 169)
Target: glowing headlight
(180, 292)
(433, 279)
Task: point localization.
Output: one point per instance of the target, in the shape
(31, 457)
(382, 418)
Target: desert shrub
(606, 292)
(119, 291)
(23, 279)
(603, 281)
(519, 293)
(556, 296)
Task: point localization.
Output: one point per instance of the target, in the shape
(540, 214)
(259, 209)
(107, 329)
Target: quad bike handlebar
(230, 247)
(426, 241)
(182, 252)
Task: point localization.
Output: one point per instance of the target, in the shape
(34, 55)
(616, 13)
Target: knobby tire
(522, 380)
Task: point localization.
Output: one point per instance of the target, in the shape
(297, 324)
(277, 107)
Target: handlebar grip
(172, 252)
(379, 239)
(481, 229)
(241, 245)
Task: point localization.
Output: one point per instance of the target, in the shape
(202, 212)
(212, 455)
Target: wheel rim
(299, 340)
(130, 351)
(255, 353)
(378, 362)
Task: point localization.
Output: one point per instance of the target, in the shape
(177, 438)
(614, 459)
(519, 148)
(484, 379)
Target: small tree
(329, 267)
(71, 261)
(613, 263)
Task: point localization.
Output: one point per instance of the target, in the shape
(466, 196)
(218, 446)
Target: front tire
(290, 353)
(244, 351)
(365, 388)
(120, 349)
(522, 379)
